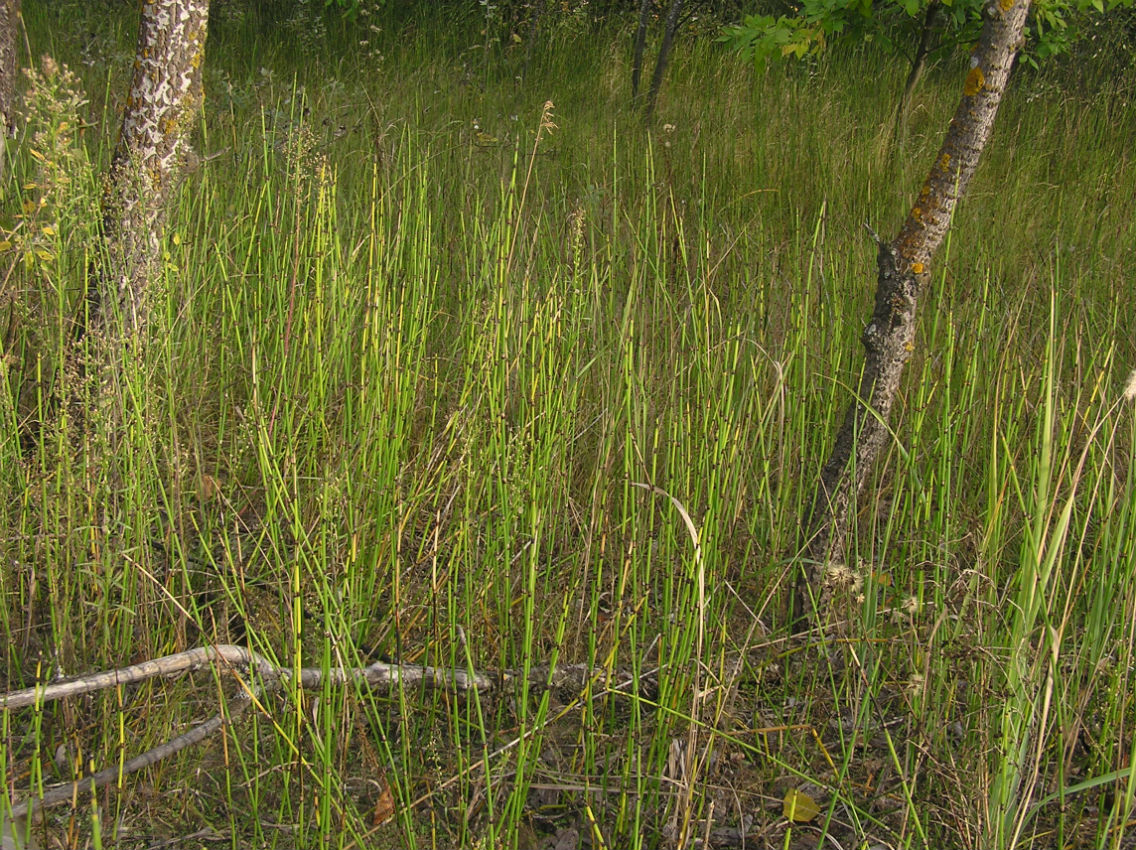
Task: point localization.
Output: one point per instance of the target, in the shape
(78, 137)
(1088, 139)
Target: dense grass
(406, 386)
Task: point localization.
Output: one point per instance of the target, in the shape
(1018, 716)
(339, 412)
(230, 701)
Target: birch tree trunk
(164, 101)
(904, 269)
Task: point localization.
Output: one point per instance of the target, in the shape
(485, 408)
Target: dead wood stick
(70, 790)
(377, 674)
(227, 658)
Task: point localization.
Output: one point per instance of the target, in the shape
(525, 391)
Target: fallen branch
(308, 678)
(229, 658)
(70, 790)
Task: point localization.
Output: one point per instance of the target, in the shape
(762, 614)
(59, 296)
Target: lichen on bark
(164, 99)
(903, 270)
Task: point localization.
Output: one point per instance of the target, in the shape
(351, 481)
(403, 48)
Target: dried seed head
(840, 576)
(1130, 387)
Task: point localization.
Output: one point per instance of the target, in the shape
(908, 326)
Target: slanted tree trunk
(640, 46)
(664, 54)
(164, 101)
(903, 274)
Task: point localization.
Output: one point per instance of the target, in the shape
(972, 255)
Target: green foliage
(899, 25)
(351, 8)
(817, 23)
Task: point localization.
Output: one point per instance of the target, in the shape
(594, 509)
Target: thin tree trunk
(664, 55)
(903, 274)
(534, 33)
(640, 46)
(918, 64)
(164, 101)
(9, 67)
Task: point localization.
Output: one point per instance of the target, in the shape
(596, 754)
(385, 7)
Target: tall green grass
(405, 390)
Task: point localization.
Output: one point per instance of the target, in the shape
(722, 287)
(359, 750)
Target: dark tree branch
(664, 55)
(640, 46)
(918, 64)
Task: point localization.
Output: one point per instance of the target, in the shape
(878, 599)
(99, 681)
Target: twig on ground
(230, 658)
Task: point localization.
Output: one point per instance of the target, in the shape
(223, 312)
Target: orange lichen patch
(917, 268)
(945, 161)
(917, 214)
(1005, 5)
(975, 80)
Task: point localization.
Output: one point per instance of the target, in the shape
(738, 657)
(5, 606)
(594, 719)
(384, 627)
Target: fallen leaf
(799, 807)
(384, 807)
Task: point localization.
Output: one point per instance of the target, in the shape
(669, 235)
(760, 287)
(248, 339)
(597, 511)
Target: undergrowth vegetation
(458, 364)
